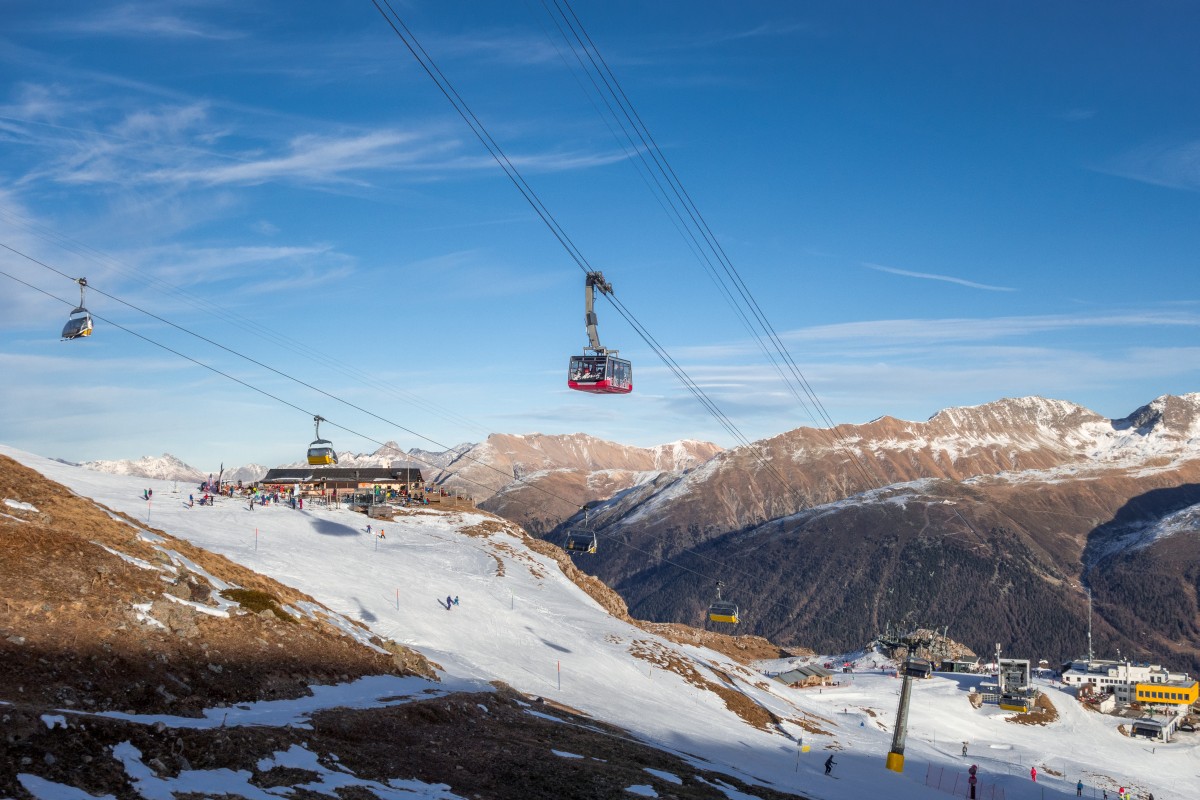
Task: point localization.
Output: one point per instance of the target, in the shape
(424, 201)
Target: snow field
(535, 630)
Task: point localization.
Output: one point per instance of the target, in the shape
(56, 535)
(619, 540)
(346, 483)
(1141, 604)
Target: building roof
(360, 474)
(798, 674)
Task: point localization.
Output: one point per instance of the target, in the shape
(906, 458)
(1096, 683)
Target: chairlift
(321, 452)
(598, 370)
(581, 539)
(80, 322)
(723, 610)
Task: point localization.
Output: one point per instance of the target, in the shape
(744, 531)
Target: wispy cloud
(142, 21)
(896, 331)
(929, 276)
(1175, 165)
(890, 335)
(188, 145)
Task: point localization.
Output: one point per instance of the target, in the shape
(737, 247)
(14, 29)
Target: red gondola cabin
(600, 374)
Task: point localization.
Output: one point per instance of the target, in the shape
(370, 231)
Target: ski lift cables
(248, 325)
(688, 218)
(447, 89)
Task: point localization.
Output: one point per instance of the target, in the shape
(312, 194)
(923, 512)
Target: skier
(301, 503)
(381, 536)
(964, 748)
(251, 503)
(449, 602)
(455, 599)
(1079, 788)
(368, 529)
(191, 501)
(1033, 774)
(829, 762)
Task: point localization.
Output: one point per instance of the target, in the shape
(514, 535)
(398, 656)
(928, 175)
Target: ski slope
(521, 621)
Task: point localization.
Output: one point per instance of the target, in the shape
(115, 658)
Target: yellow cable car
(320, 451)
(723, 610)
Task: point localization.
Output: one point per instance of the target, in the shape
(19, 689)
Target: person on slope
(1079, 788)
(449, 602)
(1033, 774)
(829, 762)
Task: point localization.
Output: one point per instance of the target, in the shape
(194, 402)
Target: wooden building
(338, 482)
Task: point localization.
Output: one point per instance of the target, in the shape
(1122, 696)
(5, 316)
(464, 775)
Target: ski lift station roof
(344, 475)
(803, 674)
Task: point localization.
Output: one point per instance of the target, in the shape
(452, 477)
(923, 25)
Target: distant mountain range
(992, 520)
(169, 468)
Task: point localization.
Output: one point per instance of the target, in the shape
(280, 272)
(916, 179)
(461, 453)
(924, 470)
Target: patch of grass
(257, 601)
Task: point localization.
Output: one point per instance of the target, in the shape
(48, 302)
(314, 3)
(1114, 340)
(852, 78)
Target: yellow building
(1178, 693)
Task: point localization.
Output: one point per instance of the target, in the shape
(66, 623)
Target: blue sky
(935, 204)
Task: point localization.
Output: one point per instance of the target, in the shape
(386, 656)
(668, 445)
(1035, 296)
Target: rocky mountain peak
(1173, 415)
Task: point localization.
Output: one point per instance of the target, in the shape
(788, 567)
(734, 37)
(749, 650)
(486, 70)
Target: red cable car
(598, 370)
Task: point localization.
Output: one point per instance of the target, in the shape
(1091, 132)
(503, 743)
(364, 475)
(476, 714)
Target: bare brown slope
(70, 634)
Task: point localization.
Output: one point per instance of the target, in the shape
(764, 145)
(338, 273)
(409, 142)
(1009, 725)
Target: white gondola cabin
(80, 322)
(581, 540)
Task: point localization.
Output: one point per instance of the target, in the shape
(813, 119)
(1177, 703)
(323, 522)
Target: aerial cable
(460, 106)
(252, 327)
(800, 388)
(672, 178)
(281, 374)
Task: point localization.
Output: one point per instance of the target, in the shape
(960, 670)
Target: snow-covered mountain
(164, 467)
(168, 467)
(816, 520)
(599, 706)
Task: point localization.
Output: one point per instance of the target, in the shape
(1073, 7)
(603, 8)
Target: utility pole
(895, 757)
(999, 670)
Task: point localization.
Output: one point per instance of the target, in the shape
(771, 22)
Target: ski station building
(345, 481)
(1132, 683)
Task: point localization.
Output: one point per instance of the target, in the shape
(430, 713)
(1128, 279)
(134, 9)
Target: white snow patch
(54, 720)
(143, 615)
(203, 609)
(43, 789)
(642, 790)
(19, 506)
(666, 776)
(565, 754)
(137, 562)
